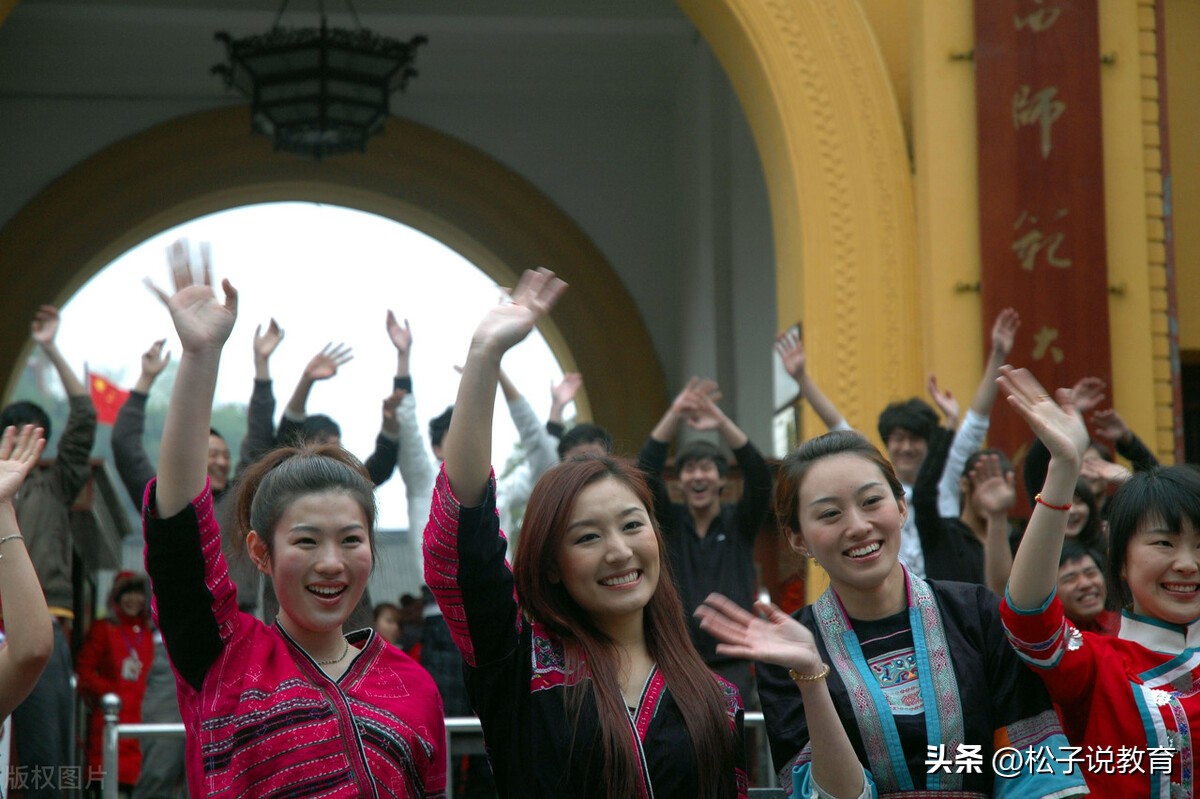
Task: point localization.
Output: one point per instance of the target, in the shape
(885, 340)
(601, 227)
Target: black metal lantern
(318, 91)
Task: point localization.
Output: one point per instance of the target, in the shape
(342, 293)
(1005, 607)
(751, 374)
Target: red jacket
(106, 664)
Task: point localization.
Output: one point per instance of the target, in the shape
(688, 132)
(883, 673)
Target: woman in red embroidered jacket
(1130, 701)
(578, 661)
(115, 658)
(295, 708)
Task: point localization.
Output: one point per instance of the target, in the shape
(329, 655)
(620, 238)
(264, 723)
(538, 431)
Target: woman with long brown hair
(578, 660)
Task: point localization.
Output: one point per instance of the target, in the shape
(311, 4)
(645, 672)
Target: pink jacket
(262, 718)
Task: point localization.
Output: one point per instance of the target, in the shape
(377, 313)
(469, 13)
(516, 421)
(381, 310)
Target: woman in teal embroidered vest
(887, 684)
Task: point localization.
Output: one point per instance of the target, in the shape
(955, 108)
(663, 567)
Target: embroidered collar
(1159, 636)
(935, 672)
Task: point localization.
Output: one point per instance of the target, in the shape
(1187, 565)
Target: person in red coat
(115, 658)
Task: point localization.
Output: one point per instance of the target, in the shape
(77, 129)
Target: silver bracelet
(8, 538)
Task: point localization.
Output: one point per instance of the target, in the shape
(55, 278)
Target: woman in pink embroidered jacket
(578, 661)
(295, 708)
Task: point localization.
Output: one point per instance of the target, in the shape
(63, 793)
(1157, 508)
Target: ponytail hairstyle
(284, 475)
(700, 698)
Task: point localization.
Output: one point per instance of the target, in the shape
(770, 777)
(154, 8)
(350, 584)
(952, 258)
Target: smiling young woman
(1145, 678)
(295, 708)
(578, 660)
(858, 687)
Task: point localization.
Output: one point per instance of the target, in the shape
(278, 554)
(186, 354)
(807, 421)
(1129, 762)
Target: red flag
(107, 398)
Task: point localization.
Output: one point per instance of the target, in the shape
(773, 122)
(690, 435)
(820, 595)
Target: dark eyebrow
(631, 510)
(860, 490)
(1160, 531)
(312, 528)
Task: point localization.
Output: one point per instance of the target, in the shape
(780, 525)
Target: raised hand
(704, 414)
(688, 401)
(1110, 425)
(1100, 469)
(325, 364)
(776, 638)
(1059, 424)
(19, 453)
(265, 343)
(391, 425)
(401, 336)
(1004, 332)
(944, 400)
(992, 489)
(154, 360)
(202, 322)
(790, 347)
(45, 325)
(508, 323)
(1087, 394)
(563, 393)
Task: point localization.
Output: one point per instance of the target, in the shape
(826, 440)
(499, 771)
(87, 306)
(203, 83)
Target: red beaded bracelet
(1038, 499)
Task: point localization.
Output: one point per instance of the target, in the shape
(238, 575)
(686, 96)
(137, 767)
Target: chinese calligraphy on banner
(1041, 190)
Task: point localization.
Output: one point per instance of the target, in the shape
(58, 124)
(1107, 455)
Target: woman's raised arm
(1060, 427)
(203, 324)
(468, 444)
(27, 624)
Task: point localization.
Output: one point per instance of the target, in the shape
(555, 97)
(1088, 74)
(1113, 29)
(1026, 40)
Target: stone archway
(206, 162)
(815, 90)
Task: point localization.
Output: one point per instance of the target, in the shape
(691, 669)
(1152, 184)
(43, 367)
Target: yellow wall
(947, 196)
(947, 202)
(1183, 78)
(1133, 208)
(889, 26)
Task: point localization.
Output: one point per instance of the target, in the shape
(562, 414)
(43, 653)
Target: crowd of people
(606, 628)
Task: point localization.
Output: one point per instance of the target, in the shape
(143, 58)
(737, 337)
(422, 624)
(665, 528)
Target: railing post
(449, 762)
(111, 705)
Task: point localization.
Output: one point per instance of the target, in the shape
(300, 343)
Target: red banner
(1041, 191)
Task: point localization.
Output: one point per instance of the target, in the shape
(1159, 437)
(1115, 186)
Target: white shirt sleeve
(541, 448)
(419, 471)
(967, 440)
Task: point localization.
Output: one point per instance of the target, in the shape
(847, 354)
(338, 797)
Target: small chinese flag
(107, 398)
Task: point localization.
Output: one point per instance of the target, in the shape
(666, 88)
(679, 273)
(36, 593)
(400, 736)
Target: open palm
(401, 335)
(265, 343)
(201, 320)
(774, 638)
(153, 359)
(19, 452)
(1058, 424)
(325, 364)
(507, 324)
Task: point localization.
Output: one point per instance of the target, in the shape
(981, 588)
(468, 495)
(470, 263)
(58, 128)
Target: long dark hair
(1092, 533)
(700, 699)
